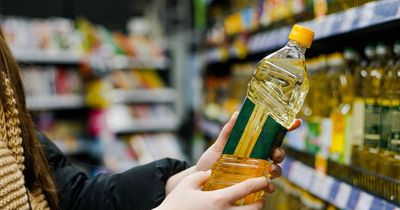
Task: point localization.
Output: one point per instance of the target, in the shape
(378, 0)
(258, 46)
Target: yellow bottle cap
(301, 35)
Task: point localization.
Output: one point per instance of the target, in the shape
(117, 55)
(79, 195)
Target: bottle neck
(297, 46)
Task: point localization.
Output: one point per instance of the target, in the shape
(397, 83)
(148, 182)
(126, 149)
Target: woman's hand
(188, 194)
(212, 154)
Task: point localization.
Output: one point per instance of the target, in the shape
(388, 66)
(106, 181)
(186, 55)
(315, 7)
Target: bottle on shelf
(390, 131)
(317, 141)
(360, 85)
(341, 81)
(352, 60)
(275, 95)
(372, 111)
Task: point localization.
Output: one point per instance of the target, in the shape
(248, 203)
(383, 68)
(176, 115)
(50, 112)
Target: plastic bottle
(360, 82)
(372, 95)
(342, 101)
(372, 111)
(394, 139)
(275, 95)
(352, 60)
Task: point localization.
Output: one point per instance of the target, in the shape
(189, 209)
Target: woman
(34, 174)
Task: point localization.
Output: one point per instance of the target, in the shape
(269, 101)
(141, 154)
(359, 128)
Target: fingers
(275, 171)
(278, 155)
(197, 179)
(270, 189)
(296, 123)
(254, 206)
(225, 132)
(240, 190)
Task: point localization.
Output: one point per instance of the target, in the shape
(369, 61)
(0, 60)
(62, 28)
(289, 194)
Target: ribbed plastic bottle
(275, 95)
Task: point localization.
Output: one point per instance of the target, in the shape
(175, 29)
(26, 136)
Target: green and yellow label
(371, 123)
(255, 133)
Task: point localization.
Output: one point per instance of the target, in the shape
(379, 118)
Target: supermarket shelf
(126, 62)
(164, 95)
(364, 190)
(54, 102)
(107, 64)
(148, 125)
(47, 58)
(370, 14)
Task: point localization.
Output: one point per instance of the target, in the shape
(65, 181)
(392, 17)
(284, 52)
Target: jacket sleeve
(142, 187)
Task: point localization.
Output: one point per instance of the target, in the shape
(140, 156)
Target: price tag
(348, 19)
(267, 41)
(364, 201)
(385, 11)
(377, 204)
(343, 195)
(258, 43)
(283, 34)
(367, 14)
(326, 26)
(316, 184)
(273, 36)
(334, 191)
(327, 187)
(301, 175)
(337, 23)
(318, 27)
(321, 185)
(286, 167)
(353, 199)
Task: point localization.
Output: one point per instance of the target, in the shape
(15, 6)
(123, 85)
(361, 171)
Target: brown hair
(37, 172)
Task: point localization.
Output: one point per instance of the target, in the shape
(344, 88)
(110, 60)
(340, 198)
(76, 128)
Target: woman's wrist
(175, 179)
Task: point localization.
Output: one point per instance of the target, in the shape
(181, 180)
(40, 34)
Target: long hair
(36, 172)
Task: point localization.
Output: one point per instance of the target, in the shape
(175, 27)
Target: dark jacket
(142, 187)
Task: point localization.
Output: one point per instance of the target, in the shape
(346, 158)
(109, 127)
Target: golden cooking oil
(275, 95)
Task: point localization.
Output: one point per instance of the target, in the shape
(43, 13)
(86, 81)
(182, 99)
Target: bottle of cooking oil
(352, 60)
(341, 81)
(275, 95)
(393, 166)
(318, 104)
(386, 100)
(394, 139)
(360, 83)
(372, 107)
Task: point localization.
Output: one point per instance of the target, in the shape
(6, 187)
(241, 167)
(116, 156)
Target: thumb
(241, 190)
(197, 179)
(219, 144)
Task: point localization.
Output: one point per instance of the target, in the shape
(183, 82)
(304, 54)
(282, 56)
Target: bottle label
(313, 141)
(386, 127)
(371, 125)
(358, 119)
(255, 133)
(394, 142)
(338, 136)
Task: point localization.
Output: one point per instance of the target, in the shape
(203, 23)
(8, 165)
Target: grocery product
(341, 81)
(275, 95)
